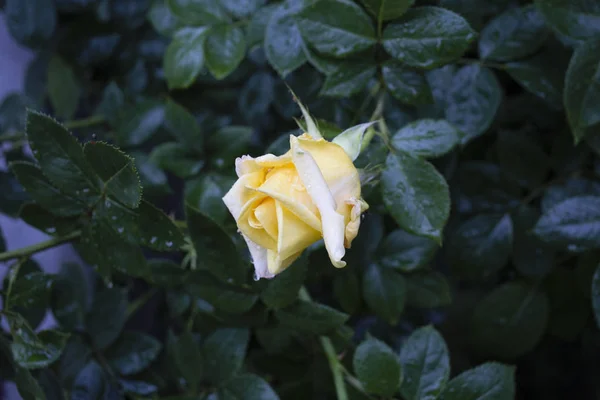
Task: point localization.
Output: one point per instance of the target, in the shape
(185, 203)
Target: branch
(36, 248)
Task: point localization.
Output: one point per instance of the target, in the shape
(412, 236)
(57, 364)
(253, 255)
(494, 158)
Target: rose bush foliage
(473, 274)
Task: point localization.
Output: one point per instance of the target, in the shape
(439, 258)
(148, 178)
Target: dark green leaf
(569, 307)
(29, 289)
(218, 253)
(224, 298)
(60, 156)
(572, 223)
(348, 79)
(385, 10)
(157, 230)
(224, 352)
(377, 367)
(13, 112)
(206, 194)
(336, 27)
(153, 179)
(596, 295)
(481, 246)
(117, 170)
(30, 22)
(183, 126)
(406, 252)
(184, 57)
(489, 381)
(177, 158)
(166, 273)
(577, 19)
(425, 365)
(283, 290)
(74, 357)
(283, 44)
(311, 317)
(428, 37)
(242, 8)
(138, 387)
(427, 289)
(426, 138)
(186, 356)
(69, 300)
(530, 256)
(63, 88)
(574, 187)
(90, 383)
(224, 49)
(133, 353)
(198, 12)
(406, 84)
(510, 321)
(416, 195)
(247, 386)
(347, 291)
(228, 143)
(28, 387)
(522, 158)
(255, 32)
(582, 88)
(107, 317)
(384, 292)
(162, 18)
(139, 122)
(514, 34)
(112, 102)
(44, 192)
(472, 100)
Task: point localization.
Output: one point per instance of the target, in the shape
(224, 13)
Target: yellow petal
(294, 234)
(355, 209)
(266, 215)
(259, 259)
(247, 165)
(257, 235)
(276, 265)
(242, 192)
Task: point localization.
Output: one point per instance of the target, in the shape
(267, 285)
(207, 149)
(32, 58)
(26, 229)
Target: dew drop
(169, 244)
(153, 239)
(86, 190)
(256, 277)
(120, 229)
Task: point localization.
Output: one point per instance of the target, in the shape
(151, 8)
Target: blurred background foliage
(475, 273)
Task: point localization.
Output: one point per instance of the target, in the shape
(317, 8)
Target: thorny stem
(334, 364)
(36, 248)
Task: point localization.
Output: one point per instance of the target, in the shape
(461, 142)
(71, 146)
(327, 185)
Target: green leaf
(153, 179)
(377, 367)
(69, 298)
(31, 350)
(416, 195)
(427, 289)
(219, 254)
(242, 8)
(30, 22)
(283, 44)
(43, 191)
(425, 365)
(514, 34)
(177, 158)
(596, 295)
(28, 386)
(531, 257)
(13, 110)
(569, 307)
(257, 27)
(347, 291)
(473, 100)
(311, 317)
(406, 252)
(183, 126)
(428, 37)
(406, 84)
(157, 230)
(489, 381)
(198, 12)
(60, 155)
(385, 10)
(582, 88)
(228, 143)
(481, 246)
(577, 19)
(166, 273)
(50, 384)
(223, 353)
(138, 387)
(348, 79)
(107, 317)
(186, 356)
(247, 386)
(184, 57)
(133, 353)
(224, 49)
(426, 138)
(113, 100)
(510, 321)
(63, 88)
(522, 158)
(384, 292)
(28, 291)
(224, 298)
(90, 383)
(336, 27)
(74, 357)
(571, 224)
(206, 194)
(137, 123)
(162, 18)
(283, 291)
(117, 170)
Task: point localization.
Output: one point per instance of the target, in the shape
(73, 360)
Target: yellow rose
(284, 204)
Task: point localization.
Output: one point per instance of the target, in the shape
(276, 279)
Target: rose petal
(259, 259)
(332, 223)
(294, 234)
(242, 191)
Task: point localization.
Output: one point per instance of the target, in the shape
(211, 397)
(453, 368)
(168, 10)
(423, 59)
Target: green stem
(36, 248)
(12, 137)
(139, 302)
(334, 363)
(85, 122)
